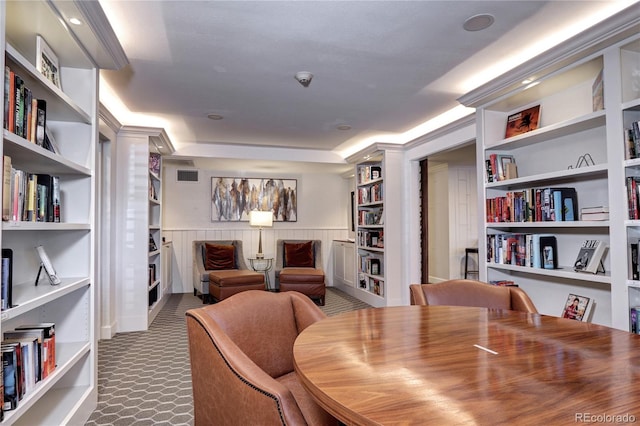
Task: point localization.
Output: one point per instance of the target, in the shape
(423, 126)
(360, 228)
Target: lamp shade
(261, 219)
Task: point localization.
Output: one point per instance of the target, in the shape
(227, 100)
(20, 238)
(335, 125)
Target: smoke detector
(304, 78)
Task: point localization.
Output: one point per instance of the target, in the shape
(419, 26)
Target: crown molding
(460, 123)
(109, 119)
(157, 136)
(96, 36)
(604, 34)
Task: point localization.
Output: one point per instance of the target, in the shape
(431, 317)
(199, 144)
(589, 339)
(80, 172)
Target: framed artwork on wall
(232, 198)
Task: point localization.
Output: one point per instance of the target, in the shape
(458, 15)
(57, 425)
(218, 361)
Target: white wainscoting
(182, 247)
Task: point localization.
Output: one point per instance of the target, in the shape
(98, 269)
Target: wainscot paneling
(182, 246)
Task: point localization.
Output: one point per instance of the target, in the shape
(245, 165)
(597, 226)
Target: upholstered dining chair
(471, 293)
(299, 268)
(241, 353)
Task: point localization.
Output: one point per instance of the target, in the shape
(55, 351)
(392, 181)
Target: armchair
(299, 268)
(227, 279)
(241, 353)
(471, 293)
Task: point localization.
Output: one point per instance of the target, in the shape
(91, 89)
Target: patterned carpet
(144, 378)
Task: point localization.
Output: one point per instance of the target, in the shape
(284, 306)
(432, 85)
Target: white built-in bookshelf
(69, 394)
(141, 291)
(578, 144)
(377, 243)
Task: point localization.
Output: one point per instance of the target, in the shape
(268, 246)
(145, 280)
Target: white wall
(323, 210)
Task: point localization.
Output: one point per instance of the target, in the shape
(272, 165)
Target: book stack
(28, 357)
(594, 213)
(29, 197)
(632, 134)
(534, 205)
(24, 115)
(369, 173)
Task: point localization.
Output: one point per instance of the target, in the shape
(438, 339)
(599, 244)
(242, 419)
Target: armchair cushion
(218, 256)
(299, 255)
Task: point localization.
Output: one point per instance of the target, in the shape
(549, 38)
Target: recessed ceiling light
(215, 117)
(75, 21)
(478, 22)
(343, 127)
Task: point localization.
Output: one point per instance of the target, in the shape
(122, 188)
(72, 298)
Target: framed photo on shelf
(506, 167)
(46, 264)
(523, 121)
(577, 307)
(47, 61)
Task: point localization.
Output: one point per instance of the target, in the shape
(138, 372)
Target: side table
(263, 265)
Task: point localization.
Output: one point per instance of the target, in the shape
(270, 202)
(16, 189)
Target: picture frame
(577, 308)
(523, 121)
(46, 264)
(47, 62)
(504, 162)
(232, 198)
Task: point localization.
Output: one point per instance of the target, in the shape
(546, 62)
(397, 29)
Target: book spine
(56, 198)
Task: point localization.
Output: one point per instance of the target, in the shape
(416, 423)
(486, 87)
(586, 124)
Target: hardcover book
(590, 257)
(523, 121)
(577, 307)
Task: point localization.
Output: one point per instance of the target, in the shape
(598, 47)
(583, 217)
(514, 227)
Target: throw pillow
(299, 255)
(218, 256)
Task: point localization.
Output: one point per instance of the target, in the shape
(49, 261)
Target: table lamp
(260, 219)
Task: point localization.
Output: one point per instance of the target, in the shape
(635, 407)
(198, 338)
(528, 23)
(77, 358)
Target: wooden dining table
(445, 365)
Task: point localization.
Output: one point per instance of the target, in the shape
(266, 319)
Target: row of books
(24, 115)
(534, 205)
(369, 173)
(370, 217)
(632, 134)
(370, 265)
(373, 285)
(154, 163)
(369, 238)
(500, 167)
(29, 197)
(28, 357)
(633, 188)
(370, 194)
(528, 250)
(634, 319)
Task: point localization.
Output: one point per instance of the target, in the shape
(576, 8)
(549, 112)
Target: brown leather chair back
(471, 293)
(241, 352)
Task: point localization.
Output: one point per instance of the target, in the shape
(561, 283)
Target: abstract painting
(232, 198)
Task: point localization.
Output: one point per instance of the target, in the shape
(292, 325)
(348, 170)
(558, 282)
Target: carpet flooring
(144, 378)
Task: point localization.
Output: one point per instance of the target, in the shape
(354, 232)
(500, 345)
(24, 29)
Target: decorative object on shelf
(590, 257)
(507, 167)
(233, 198)
(154, 163)
(583, 161)
(597, 92)
(577, 307)
(549, 252)
(47, 61)
(45, 264)
(523, 121)
(152, 244)
(260, 219)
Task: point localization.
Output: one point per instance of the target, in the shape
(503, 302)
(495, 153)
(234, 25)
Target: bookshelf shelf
(565, 272)
(559, 176)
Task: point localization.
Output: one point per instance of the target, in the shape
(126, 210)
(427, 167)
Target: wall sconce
(261, 220)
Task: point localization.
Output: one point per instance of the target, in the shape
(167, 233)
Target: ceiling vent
(187, 175)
